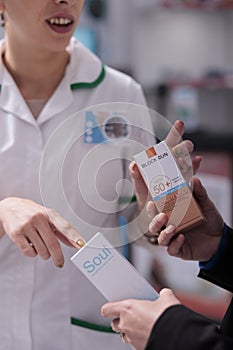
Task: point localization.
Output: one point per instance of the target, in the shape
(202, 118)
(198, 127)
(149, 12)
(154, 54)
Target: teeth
(60, 21)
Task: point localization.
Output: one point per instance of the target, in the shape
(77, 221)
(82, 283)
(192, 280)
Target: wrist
(219, 251)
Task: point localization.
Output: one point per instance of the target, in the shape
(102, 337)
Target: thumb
(166, 292)
(169, 298)
(139, 185)
(199, 190)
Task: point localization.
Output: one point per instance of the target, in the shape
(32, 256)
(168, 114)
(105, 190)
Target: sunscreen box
(168, 189)
(111, 274)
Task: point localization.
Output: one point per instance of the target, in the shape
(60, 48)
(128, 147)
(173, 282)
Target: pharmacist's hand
(180, 150)
(200, 243)
(36, 229)
(134, 319)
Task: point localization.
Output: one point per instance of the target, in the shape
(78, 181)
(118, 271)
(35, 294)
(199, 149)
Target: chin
(59, 45)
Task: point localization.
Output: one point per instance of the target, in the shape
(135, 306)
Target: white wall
(113, 33)
(167, 41)
(116, 35)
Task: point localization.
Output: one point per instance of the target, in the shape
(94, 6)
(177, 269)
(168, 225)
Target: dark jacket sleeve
(221, 273)
(179, 328)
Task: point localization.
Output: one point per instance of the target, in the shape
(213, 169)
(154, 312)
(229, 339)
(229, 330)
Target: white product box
(111, 274)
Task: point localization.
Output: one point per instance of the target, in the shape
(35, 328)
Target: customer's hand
(36, 229)
(200, 243)
(181, 151)
(135, 318)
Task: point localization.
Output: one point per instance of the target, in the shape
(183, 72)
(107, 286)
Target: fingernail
(153, 240)
(60, 265)
(170, 229)
(177, 152)
(133, 165)
(135, 171)
(160, 217)
(80, 243)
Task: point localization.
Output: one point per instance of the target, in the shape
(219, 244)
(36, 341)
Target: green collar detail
(127, 200)
(90, 85)
(83, 85)
(92, 326)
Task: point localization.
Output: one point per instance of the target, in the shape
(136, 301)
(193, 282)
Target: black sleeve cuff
(221, 272)
(179, 328)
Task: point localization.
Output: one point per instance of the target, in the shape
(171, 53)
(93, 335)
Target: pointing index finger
(66, 229)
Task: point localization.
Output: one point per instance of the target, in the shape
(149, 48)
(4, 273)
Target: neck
(37, 74)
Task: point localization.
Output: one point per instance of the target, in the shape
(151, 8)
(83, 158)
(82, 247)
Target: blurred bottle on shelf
(183, 105)
(197, 3)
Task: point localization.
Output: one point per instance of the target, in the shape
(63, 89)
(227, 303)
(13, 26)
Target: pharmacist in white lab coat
(46, 77)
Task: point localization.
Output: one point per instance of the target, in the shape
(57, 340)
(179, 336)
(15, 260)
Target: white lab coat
(36, 298)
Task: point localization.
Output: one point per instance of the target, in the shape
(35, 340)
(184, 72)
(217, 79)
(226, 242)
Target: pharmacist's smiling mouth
(61, 23)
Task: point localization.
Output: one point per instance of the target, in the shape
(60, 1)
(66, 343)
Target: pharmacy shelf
(202, 83)
(214, 5)
(214, 142)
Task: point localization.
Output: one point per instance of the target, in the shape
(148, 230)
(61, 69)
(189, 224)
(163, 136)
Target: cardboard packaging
(111, 274)
(168, 188)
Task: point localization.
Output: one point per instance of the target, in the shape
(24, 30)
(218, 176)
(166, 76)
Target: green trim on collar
(92, 326)
(83, 85)
(93, 84)
(127, 200)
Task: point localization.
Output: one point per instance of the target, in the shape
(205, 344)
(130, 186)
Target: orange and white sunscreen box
(167, 186)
